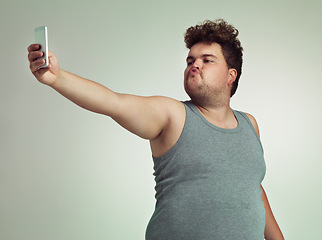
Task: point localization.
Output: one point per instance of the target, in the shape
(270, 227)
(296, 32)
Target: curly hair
(219, 31)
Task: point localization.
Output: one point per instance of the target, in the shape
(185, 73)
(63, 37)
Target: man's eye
(189, 63)
(207, 60)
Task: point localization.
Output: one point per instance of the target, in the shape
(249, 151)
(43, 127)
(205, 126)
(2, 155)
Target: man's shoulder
(170, 105)
(253, 121)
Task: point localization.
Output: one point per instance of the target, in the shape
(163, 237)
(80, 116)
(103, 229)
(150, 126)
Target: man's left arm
(272, 230)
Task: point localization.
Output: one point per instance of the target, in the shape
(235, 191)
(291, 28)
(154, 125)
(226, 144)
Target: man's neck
(220, 115)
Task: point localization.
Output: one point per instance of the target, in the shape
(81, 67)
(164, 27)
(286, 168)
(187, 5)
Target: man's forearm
(86, 93)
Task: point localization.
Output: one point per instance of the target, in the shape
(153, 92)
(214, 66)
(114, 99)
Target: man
(208, 158)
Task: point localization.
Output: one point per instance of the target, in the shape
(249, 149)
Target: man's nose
(197, 63)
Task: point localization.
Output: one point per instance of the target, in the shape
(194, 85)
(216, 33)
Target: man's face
(207, 75)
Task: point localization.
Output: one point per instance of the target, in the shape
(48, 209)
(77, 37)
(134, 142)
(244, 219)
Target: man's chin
(195, 97)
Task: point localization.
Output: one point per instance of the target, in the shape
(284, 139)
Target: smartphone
(41, 38)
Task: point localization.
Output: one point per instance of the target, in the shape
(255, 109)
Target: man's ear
(232, 76)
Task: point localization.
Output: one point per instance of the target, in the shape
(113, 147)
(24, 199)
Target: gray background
(66, 173)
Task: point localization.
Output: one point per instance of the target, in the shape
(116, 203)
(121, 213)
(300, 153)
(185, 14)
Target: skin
(207, 80)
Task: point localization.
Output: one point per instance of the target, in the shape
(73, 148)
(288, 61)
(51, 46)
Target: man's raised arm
(146, 117)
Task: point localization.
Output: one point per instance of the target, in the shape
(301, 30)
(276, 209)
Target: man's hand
(48, 75)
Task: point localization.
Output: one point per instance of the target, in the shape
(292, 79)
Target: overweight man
(208, 158)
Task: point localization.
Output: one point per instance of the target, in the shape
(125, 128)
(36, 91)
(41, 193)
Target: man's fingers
(34, 53)
(33, 47)
(32, 56)
(34, 66)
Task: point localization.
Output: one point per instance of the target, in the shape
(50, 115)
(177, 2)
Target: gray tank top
(208, 183)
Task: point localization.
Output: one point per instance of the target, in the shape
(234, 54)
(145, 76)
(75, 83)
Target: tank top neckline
(225, 130)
